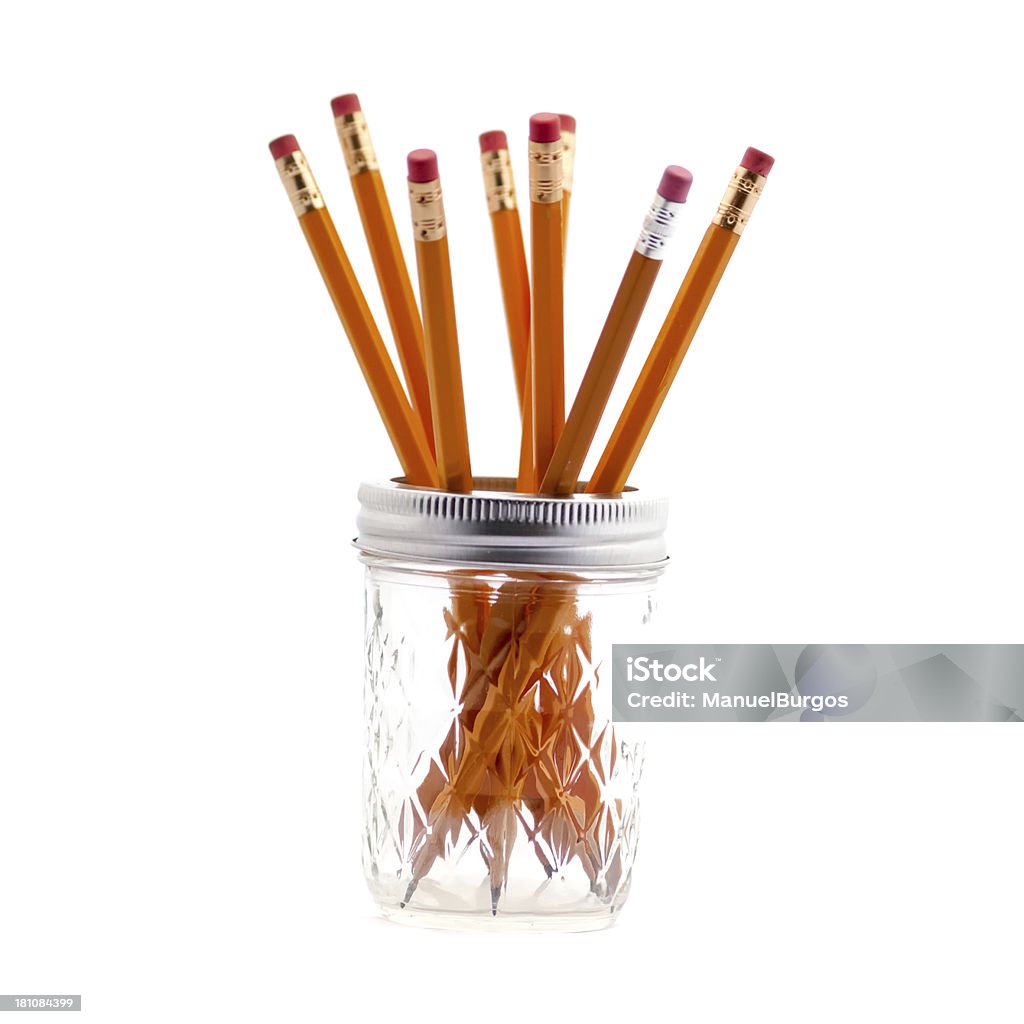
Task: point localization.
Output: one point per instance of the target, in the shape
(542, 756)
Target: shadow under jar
(497, 791)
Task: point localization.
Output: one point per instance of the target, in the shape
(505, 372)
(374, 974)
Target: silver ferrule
(299, 183)
(498, 185)
(546, 172)
(568, 159)
(356, 144)
(659, 227)
(427, 210)
(739, 200)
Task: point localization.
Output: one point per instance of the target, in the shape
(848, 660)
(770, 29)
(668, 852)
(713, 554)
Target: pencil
(403, 426)
(566, 464)
(444, 372)
(547, 367)
(568, 125)
(526, 477)
(385, 250)
(683, 319)
(500, 190)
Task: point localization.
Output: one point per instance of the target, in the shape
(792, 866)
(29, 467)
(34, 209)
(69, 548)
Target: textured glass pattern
(496, 788)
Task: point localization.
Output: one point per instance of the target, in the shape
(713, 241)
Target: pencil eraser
(493, 140)
(422, 164)
(283, 146)
(545, 128)
(756, 161)
(675, 184)
(347, 104)
(568, 123)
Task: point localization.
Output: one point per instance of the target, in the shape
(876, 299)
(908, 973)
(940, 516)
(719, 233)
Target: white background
(183, 428)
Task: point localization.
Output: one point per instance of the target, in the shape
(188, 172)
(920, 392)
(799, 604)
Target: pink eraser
(283, 146)
(347, 104)
(422, 164)
(568, 123)
(756, 161)
(675, 184)
(493, 140)
(545, 128)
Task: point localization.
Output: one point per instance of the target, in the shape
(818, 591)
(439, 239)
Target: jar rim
(494, 525)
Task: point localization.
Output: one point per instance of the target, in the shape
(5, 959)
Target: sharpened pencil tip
(495, 896)
(408, 894)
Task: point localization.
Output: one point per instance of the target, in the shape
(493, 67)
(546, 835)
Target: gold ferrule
(299, 183)
(739, 200)
(498, 185)
(568, 159)
(546, 172)
(356, 143)
(427, 210)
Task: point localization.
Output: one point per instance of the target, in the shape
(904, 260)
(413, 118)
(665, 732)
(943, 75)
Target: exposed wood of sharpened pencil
(671, 345)
(566, 464)
(403, 426)
(396, 290)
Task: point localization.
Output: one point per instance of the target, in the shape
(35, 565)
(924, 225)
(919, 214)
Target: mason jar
(498, 793)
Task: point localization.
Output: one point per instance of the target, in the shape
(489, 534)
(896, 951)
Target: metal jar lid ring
(493, 525)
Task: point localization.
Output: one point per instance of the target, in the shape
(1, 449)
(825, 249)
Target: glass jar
(498, 793)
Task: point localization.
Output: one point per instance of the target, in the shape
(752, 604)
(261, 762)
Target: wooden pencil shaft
(526, 479)
(566, 464)
(568, 159)
(444, 371)
(546, 331)
(670, 347)
(403, 426)
(396, 289)
(515, 289)
(568, 174)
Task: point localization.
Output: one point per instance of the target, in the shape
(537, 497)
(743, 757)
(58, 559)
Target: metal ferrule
(356, 143)
(546, 172)
(299, 183)
(568, 159)
(427, 210)
(659, 227)
(740, 197)
(498, 185)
